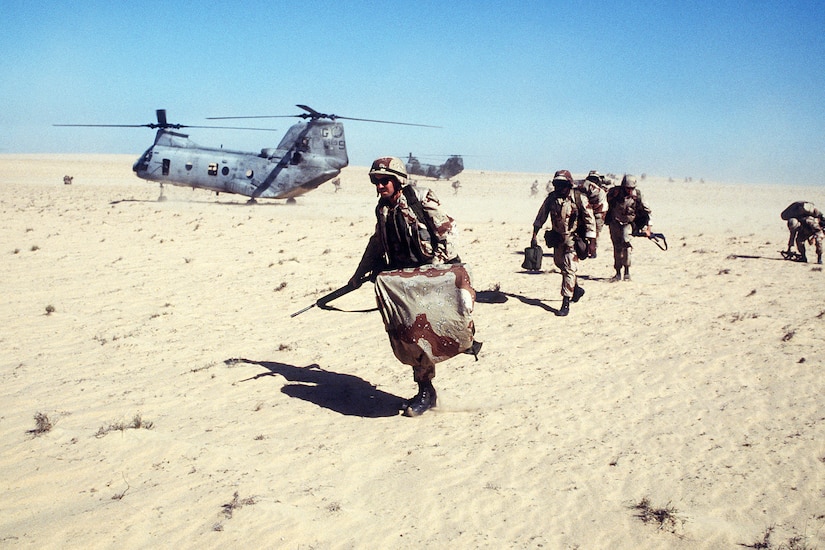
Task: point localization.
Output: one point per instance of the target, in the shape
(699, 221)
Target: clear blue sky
(721, 90)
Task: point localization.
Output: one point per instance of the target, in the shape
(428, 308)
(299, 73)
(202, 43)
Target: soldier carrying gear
(569, 216)
(593, 187)
(805, 224)
(626, 211)
(412, 232)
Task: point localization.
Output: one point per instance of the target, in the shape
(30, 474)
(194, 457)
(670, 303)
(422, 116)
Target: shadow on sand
(748, 257)
(499, 297)
(343, 393)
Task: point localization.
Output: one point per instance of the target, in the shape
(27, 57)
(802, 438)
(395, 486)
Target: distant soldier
(593, 187)
(626, 211)
(534, 189)
(412, 231)
(567, 210)
(337, 184)
(456, 185)
(805, 224)
(67, 180)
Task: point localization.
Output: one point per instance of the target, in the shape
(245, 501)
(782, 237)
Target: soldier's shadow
(343, 393)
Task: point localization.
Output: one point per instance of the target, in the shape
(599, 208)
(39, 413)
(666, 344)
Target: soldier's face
(562, 189)
(386, 186)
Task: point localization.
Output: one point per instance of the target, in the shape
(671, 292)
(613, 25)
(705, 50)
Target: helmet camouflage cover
(629, 181)
(389, 166)
(562, 177)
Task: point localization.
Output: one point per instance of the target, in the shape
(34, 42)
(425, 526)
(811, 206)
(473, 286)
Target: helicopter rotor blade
(161, 114)
(165, 127)
(108, 125)
(315, 115)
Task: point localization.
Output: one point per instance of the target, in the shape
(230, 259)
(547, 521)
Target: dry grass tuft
(42, 424)
(136, 424)
(236, 503)
(796, 542)
(665, 517)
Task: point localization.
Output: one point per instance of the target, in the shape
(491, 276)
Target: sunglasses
(382, 180)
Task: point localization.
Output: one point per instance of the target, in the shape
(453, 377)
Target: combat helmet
(389, 166)
(595, 177)
(629, 181)
(562, 178)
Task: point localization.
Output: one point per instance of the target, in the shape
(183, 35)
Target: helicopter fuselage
(451, 168)
(310, 154)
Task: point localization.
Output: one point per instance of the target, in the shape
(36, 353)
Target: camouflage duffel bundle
(427, 312)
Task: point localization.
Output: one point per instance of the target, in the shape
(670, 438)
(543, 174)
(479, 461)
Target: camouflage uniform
(596, 199)
(805, 223)
(401, 241)
(807, 229)
(565, 214)
(625, 210)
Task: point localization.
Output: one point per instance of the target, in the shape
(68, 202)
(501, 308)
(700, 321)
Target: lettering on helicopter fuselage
(332, 144)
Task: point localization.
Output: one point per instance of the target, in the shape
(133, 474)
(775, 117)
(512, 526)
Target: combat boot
(627, 274)
(617, 277)
(578, 292)
(819, 258)
(565, 307)
(424, 400)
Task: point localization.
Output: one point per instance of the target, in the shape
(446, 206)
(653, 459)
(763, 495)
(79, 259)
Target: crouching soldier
(804, 230)
(805, 224)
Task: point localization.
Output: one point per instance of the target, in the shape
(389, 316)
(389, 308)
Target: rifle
(655, 237)
(334, 295)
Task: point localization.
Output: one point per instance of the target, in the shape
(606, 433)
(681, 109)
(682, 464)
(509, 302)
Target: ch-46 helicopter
(311, 152)
(453, 166)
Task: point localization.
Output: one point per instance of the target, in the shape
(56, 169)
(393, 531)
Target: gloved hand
(591, 248)
(533, 241)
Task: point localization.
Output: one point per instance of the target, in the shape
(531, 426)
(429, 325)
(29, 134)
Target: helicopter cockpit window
(213, 169)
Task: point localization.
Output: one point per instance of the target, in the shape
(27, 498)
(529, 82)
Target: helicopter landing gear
(251, 201)
(162, 197)
(291, 200)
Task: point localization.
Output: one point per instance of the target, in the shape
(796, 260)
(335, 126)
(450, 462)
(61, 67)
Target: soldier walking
(626, 210)
(593, 187)
(568, 215)
(411, 231)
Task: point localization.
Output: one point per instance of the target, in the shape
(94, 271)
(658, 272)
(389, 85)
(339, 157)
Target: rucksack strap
(418, 209)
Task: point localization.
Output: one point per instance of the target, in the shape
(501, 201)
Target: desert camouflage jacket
(596, 197)
(624, 209)
(566, 213)
(401, 239)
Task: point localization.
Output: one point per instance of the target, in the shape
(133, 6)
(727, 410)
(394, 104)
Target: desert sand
(157, 393)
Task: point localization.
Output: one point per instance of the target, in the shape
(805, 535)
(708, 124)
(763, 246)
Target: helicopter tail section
(321, 138)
